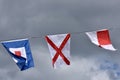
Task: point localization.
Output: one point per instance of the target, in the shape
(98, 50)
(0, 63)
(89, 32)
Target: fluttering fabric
(20, 52)
(59, 47)
(101, 38)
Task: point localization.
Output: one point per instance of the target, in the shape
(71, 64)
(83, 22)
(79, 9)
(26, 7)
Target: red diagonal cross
(58, 50)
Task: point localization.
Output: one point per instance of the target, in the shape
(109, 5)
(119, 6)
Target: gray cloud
(26, 18)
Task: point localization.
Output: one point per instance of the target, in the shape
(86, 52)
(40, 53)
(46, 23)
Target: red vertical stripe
(103, 37)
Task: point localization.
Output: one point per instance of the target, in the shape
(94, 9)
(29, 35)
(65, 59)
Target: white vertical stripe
(93, 37)
(109, 47)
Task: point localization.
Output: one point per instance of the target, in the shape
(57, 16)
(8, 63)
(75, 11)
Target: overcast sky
(38, 18)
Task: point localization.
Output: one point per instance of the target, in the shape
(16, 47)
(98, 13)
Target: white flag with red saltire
(101, 38)
(59, 47)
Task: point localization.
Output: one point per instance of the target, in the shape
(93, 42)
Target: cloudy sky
(37, 18)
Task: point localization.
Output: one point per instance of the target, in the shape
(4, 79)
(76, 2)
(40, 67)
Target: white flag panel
(58, 40)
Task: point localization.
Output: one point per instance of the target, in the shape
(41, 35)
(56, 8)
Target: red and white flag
(101, 38)
(59, 47)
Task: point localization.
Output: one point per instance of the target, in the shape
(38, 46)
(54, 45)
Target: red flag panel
(103, 37)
